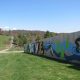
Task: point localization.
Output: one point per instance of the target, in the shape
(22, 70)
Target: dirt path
(7, 50)
(1, 52)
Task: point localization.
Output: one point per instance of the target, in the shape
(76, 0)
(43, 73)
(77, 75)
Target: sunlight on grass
(4, 41)
(22, 66)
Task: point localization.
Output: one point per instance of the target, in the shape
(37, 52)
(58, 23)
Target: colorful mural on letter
(55, 48)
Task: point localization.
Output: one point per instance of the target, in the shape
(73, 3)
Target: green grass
(20, 66)
(4, 41)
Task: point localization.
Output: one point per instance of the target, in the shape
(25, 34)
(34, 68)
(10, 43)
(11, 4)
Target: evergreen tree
(47, 34)
(20, 40)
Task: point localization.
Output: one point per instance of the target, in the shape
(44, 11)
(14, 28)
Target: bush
(20, 40)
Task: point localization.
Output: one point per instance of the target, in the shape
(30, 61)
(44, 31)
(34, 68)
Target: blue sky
(52, 15)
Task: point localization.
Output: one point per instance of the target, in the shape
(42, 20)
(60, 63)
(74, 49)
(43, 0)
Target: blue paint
(71, 50)
(62, 50)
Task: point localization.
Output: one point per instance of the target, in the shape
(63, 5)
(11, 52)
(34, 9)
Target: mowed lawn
(21, 66)
(4, 41)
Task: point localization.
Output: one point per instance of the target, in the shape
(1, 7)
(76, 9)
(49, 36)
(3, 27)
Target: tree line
(22, 39)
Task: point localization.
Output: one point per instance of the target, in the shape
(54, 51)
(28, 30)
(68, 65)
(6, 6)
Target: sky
(52, 15)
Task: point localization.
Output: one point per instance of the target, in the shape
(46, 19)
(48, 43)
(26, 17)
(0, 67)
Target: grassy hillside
(4, 41)
(20, 66)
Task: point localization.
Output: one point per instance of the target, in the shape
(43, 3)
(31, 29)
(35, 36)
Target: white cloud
(5, 27)
(14, 28)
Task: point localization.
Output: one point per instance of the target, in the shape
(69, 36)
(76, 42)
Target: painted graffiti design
(77, 42)
(64, 50)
